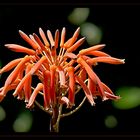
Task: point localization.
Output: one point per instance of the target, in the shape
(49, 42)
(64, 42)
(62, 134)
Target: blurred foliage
(24, 121)
(2, 113)
(79, 15)
(92, 33)
(111, 121)
(130, 98)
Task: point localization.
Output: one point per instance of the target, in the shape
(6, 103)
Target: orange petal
(21, 95)
(21, 84)
(27, 85)
(87, 68)
(52, 84)
(110, 60)
(63, 33)
(71, 92)
(33, 39)
(28, 40)
(93, 48)
(74, 37)
(83, 74)
(69, 64)
(92, 87)
(56, 39)
(61, 76)
(39, 42)
(70, 55)
(92, 75)
(76, 45)
(20, 74)
(65, 100)
(85, 57)
(10, 87)
(38, 64)
(13, 86)
(42, 34)
(34, 94)
(47, 99)
(1, 89)
(106, 88)
(17, 69)
(100, 88)
(10, 65)
(19, 48)
(67, 43)
(1, 96)
(50, 37)
(86, 90)
(111, 96)
(97, 53)
(53, 53)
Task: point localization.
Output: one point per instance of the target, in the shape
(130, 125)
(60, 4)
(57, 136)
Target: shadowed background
(117, 26)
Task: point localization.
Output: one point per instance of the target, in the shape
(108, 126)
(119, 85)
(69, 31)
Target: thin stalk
(76, 109)
(42, 108)
(55, 118)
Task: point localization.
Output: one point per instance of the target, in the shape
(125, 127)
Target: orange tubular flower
(60, 71)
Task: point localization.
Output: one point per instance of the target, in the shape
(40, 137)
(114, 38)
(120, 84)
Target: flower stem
(73, 111)
(42, 108)
(55, 119)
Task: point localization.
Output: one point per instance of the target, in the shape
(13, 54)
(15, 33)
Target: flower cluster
(60, 71)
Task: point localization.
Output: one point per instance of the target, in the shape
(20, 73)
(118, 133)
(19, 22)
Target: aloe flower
(60, 71)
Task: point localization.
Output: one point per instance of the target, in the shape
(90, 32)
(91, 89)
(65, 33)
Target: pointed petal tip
(102, 45)
(123, 61)
(78, 28)
(118, 97)
(105, 98)
(20, 31)
(40, 29)
(93, 104)
(6, 45)
(48, 31)
(83, 38)
(64, 29)
(10, 45)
